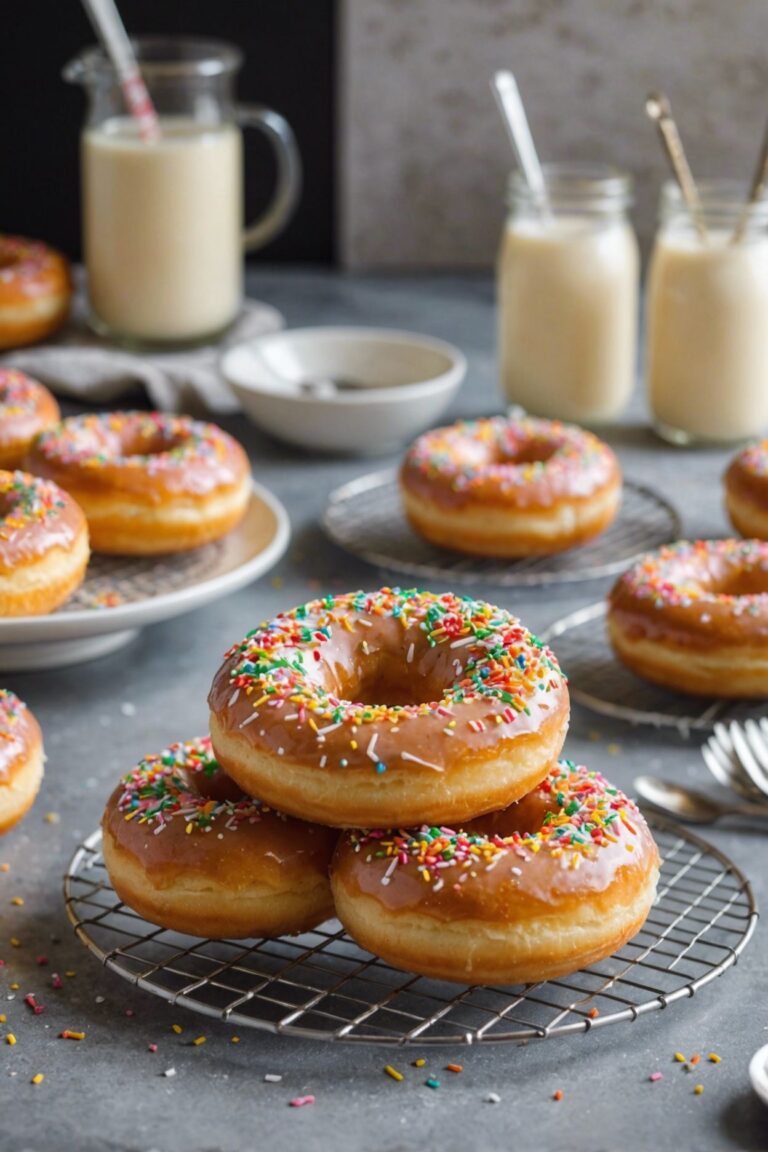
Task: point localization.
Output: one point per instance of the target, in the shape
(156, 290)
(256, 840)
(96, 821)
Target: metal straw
(659, 110)
(110, 30)
(756, 192)
(507, 94)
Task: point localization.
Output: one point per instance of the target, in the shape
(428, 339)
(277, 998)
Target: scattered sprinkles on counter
(672, 577)
(157, 791)
(587, 814)
(497, 661)
(482, 454)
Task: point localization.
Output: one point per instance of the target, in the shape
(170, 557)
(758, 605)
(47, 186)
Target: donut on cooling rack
(188, 851)
(694, 617)
(148, 483)
(554, 883)
(43, 545)
(21, 759)
(378, 708)
(35, 291)
(26, 409)
(510, 487)
(746, 491)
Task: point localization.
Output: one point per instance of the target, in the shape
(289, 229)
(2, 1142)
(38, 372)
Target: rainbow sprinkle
(159, 789)
(494, 660)
(690, 574)
(12, 716)
(587, 814)
(151, 442)
(489, 456)
(26, 500)
(18, 395)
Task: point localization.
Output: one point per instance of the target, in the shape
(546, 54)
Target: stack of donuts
(127, 483)
(393, 756)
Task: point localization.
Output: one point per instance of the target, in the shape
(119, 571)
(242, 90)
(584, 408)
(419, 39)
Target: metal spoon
(693, 807)
(327, 385)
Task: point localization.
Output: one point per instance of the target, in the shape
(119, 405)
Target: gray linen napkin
(80, 365)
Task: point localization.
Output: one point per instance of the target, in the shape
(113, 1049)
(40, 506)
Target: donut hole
(537, 450)
(156, 443)
(387, 680)
(741, 582)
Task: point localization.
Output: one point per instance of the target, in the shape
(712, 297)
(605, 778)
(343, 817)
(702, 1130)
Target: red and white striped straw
(110, 30)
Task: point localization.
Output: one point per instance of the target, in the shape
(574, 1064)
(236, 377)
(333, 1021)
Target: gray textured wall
(423, 155)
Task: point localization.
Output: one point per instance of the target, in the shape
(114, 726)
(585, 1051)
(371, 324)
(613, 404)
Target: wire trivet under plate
(365, 517)
(599, 681)
(322, 986)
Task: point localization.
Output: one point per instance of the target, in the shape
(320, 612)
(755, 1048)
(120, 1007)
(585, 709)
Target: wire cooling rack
(322, 986)
(365, 517)
(599, 681)
(130, 579)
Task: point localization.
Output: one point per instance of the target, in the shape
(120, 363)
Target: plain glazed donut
(378, 708)
(188, 851)
(43, 545)
(694, 617)
(506, 487)
(21, 759)
(26, 409)
(35, 291)
(554, 883)
(148, 483)
(746, 491)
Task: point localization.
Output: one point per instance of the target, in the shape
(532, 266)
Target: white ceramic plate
(122, 594)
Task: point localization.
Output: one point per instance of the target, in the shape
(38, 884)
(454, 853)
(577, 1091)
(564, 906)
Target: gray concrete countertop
(108, 1092)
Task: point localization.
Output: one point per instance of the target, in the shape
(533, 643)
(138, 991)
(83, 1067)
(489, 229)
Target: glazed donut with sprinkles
(188, 851)
(746, 491)
(694, 617)
(556, 882)
(35, 291)
(21, 759)
(43, 545)
(148, 483)
(510, 487)
(377, 708)
(26, 410)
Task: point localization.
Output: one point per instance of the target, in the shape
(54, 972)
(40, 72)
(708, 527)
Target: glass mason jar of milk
(707, 353)
(162, 220)
(567, 295)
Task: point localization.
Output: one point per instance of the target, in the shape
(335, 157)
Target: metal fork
(737, 756)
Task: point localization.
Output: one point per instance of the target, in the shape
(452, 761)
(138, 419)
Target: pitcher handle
(289, 176)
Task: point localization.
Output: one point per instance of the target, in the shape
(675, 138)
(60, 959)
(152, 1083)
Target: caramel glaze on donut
(694, 617)
(35, 291)
(556, 882)
(43, 545)
(385, 707)
(147, 482)
(509, 487)
(746, 491)
(26, 409)
(187, 850)
(21, 759)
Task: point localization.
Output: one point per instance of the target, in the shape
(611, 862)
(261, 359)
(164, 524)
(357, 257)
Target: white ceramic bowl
(407, 381)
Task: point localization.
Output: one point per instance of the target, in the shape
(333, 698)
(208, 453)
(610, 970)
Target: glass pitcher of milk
(162, 220)
(707, 352)
(567, 295)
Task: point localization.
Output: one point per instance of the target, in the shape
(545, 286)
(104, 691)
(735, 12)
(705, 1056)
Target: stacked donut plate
(393, 756)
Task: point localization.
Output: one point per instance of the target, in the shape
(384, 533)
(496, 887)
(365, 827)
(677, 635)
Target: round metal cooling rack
(365, 517)
(322, 986)
(600, 682)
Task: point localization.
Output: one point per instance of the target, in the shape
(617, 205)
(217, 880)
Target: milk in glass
(567, 295)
